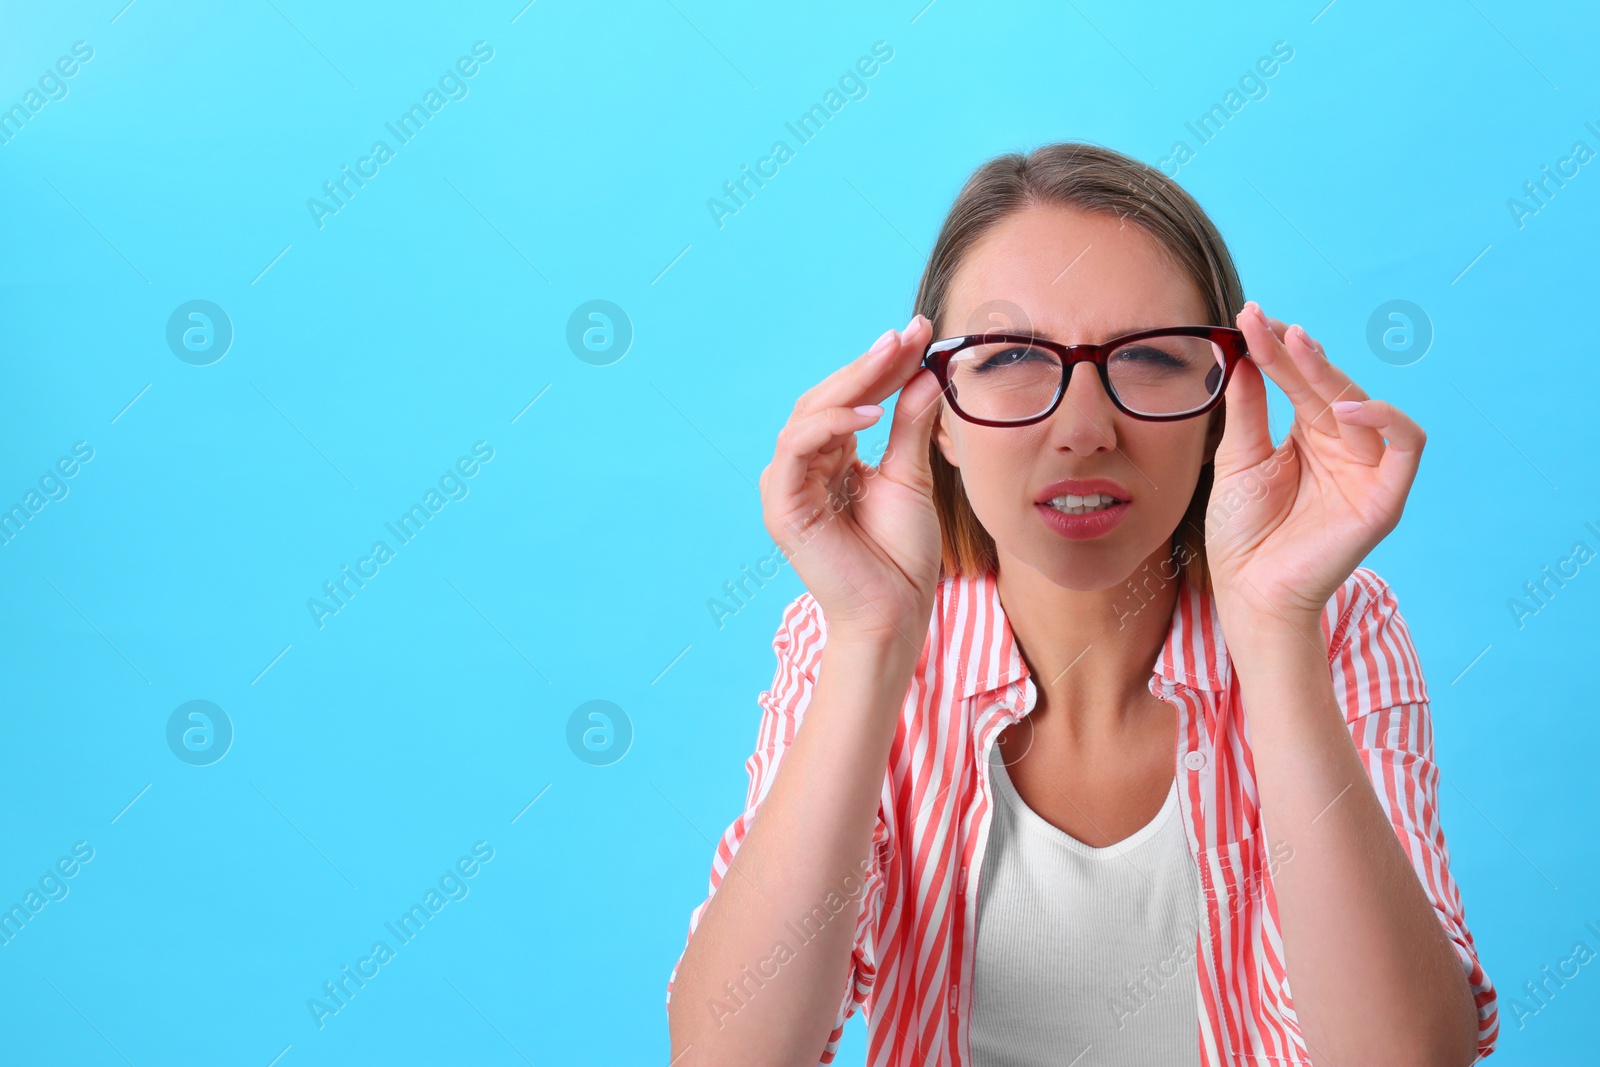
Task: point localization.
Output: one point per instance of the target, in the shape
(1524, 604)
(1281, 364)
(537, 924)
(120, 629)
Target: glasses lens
(1166, 375)
(1004, 381)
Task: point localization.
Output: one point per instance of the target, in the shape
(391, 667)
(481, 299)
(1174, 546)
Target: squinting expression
(1120, 281)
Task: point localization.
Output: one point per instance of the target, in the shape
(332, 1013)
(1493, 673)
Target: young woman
(1090, 741)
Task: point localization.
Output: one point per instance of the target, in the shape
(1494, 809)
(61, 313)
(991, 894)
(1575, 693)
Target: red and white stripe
(912, 965)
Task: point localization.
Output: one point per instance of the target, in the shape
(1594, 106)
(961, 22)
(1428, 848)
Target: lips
(1082, 487)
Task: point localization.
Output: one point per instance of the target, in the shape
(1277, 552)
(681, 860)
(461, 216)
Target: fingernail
(869, 409)
(910, 325)
(1305, 339)
(1345, 407)
(883, 344)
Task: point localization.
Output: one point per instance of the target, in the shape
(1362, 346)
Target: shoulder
(1364, 602)
(1370, 651)
(805, 624)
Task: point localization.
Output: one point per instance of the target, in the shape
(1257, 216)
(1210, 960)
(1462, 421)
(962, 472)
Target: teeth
(1082, 505)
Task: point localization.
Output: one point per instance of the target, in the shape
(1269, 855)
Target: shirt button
(1194, 760)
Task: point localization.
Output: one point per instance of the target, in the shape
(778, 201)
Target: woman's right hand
(863, 539)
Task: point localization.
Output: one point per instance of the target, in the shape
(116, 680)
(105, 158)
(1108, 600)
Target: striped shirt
(911, 969)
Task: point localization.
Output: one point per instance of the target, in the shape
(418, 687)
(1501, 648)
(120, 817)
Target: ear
(941, 434)
(1214, 430)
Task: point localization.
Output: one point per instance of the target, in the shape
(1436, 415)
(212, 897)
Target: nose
(1083, 421)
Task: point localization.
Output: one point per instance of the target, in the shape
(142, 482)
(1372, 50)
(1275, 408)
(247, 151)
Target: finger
(1246, 437)
(1269, 354)
(1337, 385)
(801, 442)
(873, 376)
(915, 411)
(1397, 470)
(851, 379)
(1332, 384)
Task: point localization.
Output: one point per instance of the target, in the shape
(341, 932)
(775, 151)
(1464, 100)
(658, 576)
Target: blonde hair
(1090, 178)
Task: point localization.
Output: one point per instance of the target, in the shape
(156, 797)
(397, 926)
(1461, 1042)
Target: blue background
(431, 312)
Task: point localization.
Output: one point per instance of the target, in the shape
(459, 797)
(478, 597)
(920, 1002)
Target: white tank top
(1084, 955)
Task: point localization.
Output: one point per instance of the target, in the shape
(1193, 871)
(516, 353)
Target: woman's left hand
(1286, 527)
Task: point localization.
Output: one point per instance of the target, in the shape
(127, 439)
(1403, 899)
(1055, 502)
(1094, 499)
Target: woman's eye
(1146, 355)
(1010, 358)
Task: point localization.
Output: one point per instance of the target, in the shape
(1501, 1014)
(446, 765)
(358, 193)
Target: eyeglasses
(1014, 379)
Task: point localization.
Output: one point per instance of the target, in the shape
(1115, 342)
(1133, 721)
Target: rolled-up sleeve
(1380, 688)
(798, 647)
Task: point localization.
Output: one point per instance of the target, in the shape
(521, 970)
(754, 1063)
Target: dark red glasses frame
(1230, 341)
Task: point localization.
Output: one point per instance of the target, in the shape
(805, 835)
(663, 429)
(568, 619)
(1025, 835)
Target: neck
(1091, 652)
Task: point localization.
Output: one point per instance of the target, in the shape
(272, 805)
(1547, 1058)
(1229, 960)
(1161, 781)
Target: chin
(1085, 566)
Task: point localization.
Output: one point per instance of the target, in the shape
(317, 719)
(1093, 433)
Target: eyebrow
(1122, 332)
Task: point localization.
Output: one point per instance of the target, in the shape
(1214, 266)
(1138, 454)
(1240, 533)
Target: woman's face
(1075, 277)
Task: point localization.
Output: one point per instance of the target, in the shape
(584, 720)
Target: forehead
(1070, 275)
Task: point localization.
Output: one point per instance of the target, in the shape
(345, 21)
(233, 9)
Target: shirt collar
(1193, 653)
